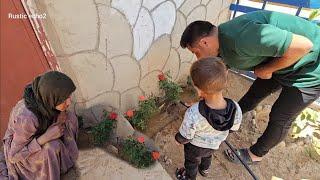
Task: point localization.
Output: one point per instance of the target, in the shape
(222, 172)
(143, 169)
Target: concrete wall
(114, 49)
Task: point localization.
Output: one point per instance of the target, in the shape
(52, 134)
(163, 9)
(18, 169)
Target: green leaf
(143, 113)
(301, 124)
(171, 89)
(101, 132)
(314, 14)
(80, 121)
(136, 153)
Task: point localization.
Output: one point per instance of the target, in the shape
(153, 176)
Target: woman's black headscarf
(44, 94)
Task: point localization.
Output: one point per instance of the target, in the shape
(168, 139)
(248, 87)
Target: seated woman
(40, 142)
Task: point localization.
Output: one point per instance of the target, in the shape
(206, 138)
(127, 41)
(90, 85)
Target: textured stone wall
(114, 49)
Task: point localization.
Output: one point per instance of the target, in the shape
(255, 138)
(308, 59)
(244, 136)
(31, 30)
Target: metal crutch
(242, 162)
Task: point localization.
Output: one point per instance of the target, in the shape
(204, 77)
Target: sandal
(242, 153)
(181, 174)
(204, 173)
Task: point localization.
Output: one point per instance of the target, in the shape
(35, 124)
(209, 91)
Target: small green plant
(101, 132)
(189, 81)
(140, 117)
(137, 153)
(314, 14)
(80, 121)
(191, 87)
(307, 125)
(171, 89)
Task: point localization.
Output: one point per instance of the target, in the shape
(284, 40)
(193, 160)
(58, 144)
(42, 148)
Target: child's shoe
(204, 173)
(181, 174)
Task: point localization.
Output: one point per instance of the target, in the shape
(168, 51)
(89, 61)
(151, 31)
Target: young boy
(207, 123)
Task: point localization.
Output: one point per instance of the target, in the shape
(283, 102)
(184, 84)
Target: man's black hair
(194, 31)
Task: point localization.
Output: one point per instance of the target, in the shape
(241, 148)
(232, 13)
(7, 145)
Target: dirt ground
(288, 160)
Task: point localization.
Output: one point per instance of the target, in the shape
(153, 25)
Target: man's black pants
(287, 107)
(196, 157)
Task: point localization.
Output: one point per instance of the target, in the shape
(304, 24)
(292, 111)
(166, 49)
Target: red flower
(155, 155)
(130, 113)
(142, 98)
(162, 77)
(140, 139)
(113, 116)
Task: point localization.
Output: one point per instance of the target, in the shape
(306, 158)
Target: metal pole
(298, 11)
(264, 4)
(235, 9)
(242, 162)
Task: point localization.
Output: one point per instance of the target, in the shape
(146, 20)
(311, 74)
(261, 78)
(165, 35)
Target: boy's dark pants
(287, 107)
(196, 157)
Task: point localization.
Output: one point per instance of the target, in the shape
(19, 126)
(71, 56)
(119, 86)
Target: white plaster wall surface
(74, 21)
(114, 49)
(109, 43)
(129, 8)
(178, 29)
(164, 17)
(143, 34)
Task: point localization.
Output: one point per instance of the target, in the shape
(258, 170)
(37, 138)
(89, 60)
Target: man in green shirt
(282, 50)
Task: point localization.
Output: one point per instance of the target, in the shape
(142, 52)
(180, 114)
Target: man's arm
(298, 47)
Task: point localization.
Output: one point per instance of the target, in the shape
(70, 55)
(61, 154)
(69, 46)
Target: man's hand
(299, 47)
(262, 73)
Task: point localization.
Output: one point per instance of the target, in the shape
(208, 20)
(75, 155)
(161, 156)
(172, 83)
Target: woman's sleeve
(23, 143)
(73, 124)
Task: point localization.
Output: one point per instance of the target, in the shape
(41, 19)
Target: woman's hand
(55, 131)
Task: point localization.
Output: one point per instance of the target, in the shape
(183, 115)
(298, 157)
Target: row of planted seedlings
(134, 149)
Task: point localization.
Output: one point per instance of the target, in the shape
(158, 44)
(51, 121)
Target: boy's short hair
(209, 74)
(195, 31)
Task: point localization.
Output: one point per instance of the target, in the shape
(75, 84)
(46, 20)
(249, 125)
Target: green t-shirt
(255, 38)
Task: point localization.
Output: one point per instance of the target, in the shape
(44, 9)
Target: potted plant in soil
(102, 131)
(172, 91)
(136, 153)
(138, 118)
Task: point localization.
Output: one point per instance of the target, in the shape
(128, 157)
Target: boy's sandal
(204, 173)
(181, 174)
(243, 154)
